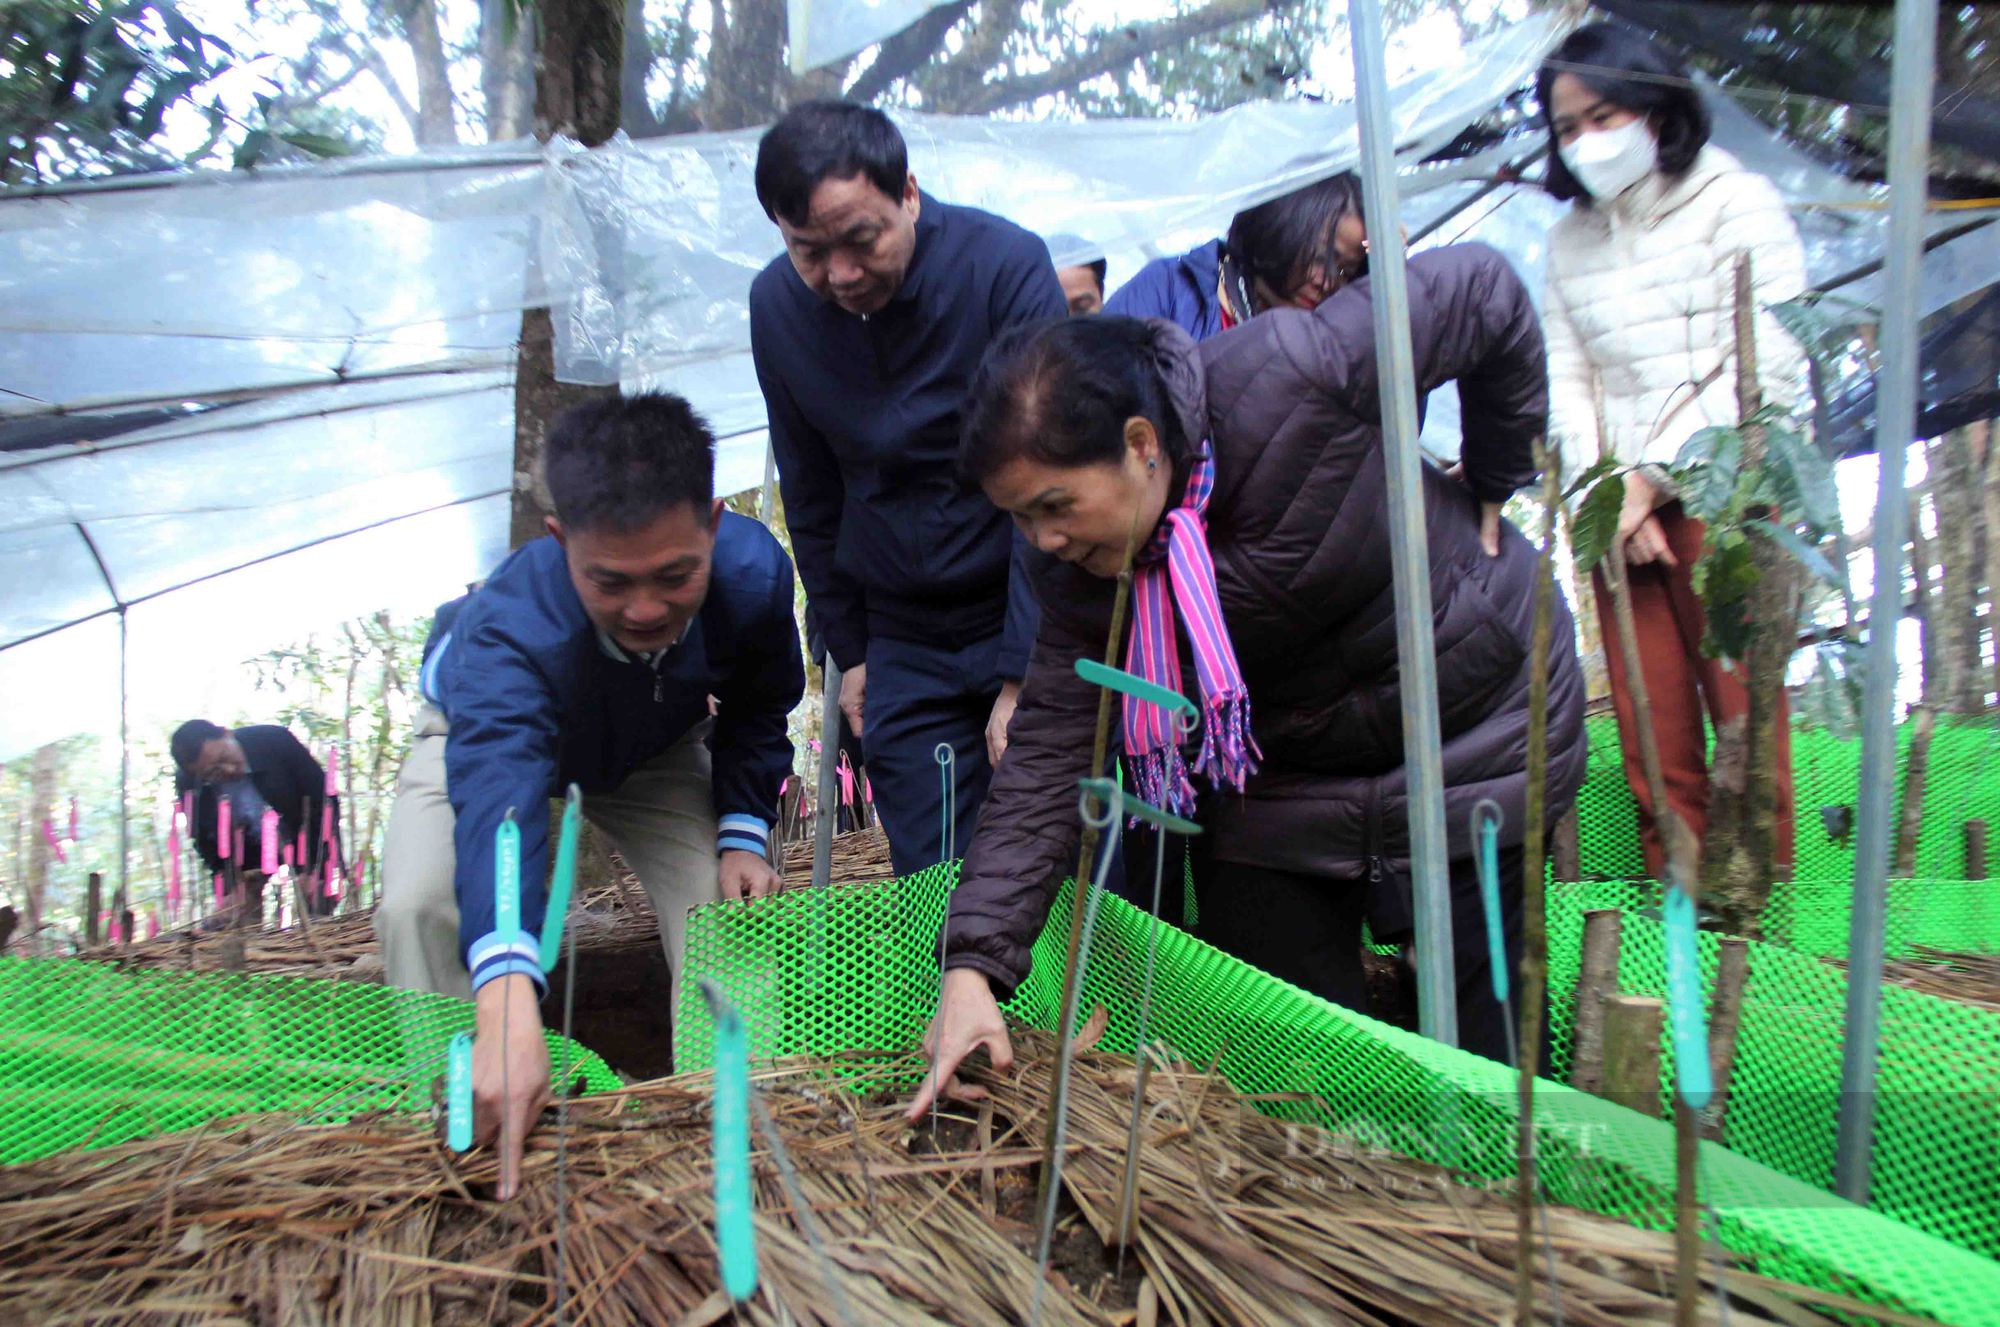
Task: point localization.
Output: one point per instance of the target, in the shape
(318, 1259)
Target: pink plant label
(333, 771)
(152, 924)
(218, 889)
(224, 836)
(267, 843)
(54, 842)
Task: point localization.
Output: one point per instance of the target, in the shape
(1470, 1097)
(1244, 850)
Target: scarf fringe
(1229, 754)
(1160, 778)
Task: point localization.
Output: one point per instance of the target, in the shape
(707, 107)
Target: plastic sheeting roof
(369, 310)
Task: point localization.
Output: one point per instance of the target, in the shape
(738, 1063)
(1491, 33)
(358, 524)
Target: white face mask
(1607, 162)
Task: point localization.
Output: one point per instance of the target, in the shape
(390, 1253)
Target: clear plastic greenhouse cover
(370, 309)
(822, 31)
(659, 239)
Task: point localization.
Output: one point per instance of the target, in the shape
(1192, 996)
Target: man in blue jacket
(866, 332)
(590, 657)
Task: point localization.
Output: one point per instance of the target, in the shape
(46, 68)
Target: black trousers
(1307, 930)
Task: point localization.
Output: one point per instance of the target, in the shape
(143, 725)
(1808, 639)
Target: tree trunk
(41, 805)
(1732, 974)
(1739, 862)
(1955, 492)
(1909, 827)
(635, 112)
(507, 71)
(576, 93)
(437, 121)
(1930, 653)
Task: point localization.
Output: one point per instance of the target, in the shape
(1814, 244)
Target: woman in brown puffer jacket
(1262, 448)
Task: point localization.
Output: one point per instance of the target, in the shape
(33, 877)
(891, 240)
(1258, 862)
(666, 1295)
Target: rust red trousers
(1682, 684)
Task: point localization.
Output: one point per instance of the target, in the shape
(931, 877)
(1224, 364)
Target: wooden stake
(1599, 982)
(92, 906)
(1916, 773)
(1732, 973)
(1633, 1025)
(1975, 849)
(1569, 847)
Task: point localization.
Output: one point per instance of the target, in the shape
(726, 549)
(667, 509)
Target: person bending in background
(1253, 470)
(1292, 251)
(1639, 311)
(590, 657)
(1083, 286)
(866, 332)
(255, 768)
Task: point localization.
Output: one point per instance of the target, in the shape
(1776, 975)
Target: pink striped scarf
(1176, 559)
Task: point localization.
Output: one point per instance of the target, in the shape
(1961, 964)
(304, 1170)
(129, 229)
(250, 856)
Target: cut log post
(1597, 982)
(1569, 848)
(1633, 1025)
(93, 904)
(1732, 973)
(1975, 850)
(9, 919)
(1923, 726)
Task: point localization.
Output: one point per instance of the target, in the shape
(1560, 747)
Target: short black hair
(1098, 267)
(1277, 241)
(1628, 69)
(1060, 392)
(618, 463)
(827, 140)
(190, 738)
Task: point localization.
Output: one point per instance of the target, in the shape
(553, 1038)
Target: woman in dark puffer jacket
(1251, 471)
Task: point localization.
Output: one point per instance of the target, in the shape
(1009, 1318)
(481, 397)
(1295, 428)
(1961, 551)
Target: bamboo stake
(1080, 887)
(1534, 918)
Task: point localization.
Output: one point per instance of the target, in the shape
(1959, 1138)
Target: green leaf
(1604, 466)
(1806, 477)
(1702, 446)
(319, 145)
(1785, 537)
(1706, 472)
(1724, 578)
(1596, 523)
(252, 149)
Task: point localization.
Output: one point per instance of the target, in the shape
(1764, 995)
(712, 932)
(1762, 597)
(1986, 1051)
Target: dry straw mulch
(1243, 1219)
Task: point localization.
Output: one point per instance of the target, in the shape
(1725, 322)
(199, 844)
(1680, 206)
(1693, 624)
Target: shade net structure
(91, 1056)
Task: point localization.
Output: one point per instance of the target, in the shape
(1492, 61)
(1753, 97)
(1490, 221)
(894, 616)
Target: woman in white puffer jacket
(1639, 314)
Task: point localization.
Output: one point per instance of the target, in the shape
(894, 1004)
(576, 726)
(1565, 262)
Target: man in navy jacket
(590, 657)
(866, 332)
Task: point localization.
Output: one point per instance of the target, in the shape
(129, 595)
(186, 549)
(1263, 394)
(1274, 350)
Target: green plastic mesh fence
(831, 971)
(1937, 908)
(1937, 1127)
(91, 1056)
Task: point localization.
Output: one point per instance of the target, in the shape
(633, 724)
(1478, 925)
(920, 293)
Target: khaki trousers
(661, 819)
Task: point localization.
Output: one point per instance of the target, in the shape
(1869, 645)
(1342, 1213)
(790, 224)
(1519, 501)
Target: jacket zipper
(659, 683)
(1372, 836)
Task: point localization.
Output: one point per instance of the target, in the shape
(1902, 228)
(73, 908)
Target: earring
(1152, 466)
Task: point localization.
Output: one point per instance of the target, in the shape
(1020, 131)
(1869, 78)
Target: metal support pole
(827, 809)
(124, 761)
(1423, 765)
(1910, 85)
